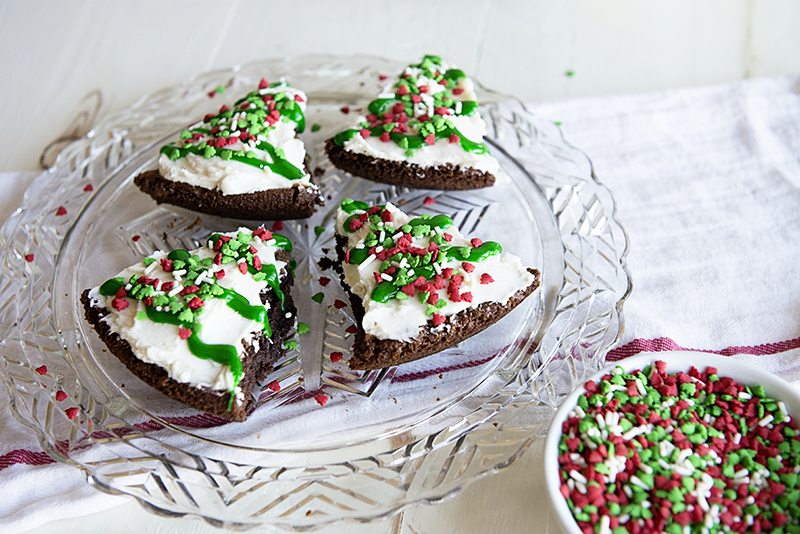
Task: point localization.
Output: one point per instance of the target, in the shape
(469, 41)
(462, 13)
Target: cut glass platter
(386, 439)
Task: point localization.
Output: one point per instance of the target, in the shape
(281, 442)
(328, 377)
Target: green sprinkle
(317, 297)
(318, 230)
(315, 127)
(290, 344)
(303, 328)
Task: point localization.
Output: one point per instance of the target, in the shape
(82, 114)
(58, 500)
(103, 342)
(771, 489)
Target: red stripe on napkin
(661, 344)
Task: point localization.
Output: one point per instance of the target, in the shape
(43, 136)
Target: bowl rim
(740, 370)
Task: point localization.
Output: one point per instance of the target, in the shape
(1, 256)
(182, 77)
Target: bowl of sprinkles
(677, 442)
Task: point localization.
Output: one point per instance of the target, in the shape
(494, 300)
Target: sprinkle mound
(651, 451)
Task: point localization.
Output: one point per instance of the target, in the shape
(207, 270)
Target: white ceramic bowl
(744, 373)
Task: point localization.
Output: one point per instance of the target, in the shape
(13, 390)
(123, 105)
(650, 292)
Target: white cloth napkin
(707, 182)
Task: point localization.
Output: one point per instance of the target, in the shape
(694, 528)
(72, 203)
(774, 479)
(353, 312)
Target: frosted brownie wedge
(424, 131)
(202, 326)
(417, 286)
(245, 161)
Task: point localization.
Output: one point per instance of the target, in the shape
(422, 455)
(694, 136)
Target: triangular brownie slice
(245, 161)
(202, 326)
(417, 286)
(424, 131)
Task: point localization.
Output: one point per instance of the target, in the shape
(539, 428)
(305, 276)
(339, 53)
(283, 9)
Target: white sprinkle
(386, 277)
(149, 269)
(159, 308)
(577, 477)
(646, 468)
(737, 438)
(438, 269)
(381, 236)
(378, 249)
(179, 272)
(270, 242)
(745, 395)
(639, 482)
(605, 525)
(128, 287)
(210, 244)
(364, 264)
(175, 290)
(411, 272)
(640, 387)
(578, 410)
(458, 107)
(741, 473)
(359, 246)
(581, 487)
(782, 407)
(766, 420)
(398, 235)
(632, 433)
(287, 314)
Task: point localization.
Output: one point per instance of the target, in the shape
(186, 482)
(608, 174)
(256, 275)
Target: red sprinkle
(72, 413)
(447, 237)
(352, 329)
(166, 265)
(345, 109)
(257, 263)
(219, 275)
(274, 386)
(61, 395)
(486, 278)
(467, 296)
(29, 258)
(430, 139)
(339, 304)
(88, 188)
(119, 304)
(184, 333)
(263, 83)
(42, 369)
(382, 77)
(324, 281)
(321, 399)
(437, 319)
(61, 211)
(365, 133)
(454, 138)
(468, 267)
(457, 91)
(195, 303)
(385, 137)
(402, 90)
(135, 237)
(475, 242)
(428, 201)
(277, 226)
(336, 356)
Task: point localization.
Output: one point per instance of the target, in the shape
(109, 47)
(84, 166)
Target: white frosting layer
(159, 344)
(442, 151)
(233, 177)
(402, 320)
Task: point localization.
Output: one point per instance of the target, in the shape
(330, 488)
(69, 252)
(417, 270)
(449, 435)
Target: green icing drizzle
(251, 117)
(393, 119)
(110, 287)
(405, 262)
(349, 205)
(176, 310)
(474, 255)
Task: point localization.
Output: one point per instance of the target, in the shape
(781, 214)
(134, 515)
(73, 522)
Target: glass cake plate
(385, 439)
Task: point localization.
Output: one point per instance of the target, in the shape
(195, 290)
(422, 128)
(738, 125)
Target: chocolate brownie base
(369, 352)
(445, 176)
(256, 364)
(287, 203)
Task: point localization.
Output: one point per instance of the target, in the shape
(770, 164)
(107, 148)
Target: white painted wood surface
(54, 52)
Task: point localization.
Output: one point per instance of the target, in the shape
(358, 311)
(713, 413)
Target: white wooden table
(52, 53)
